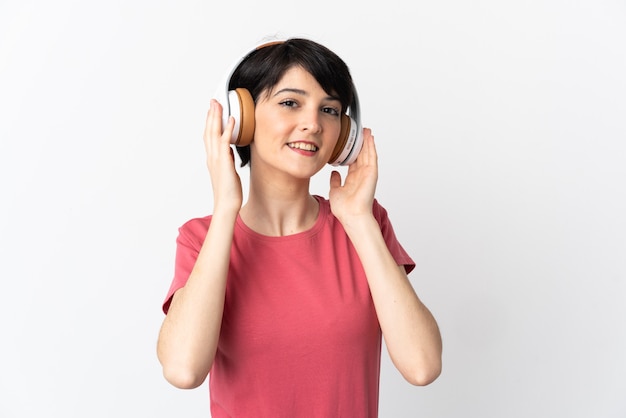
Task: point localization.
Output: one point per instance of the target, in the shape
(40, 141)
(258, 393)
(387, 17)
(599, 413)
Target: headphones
(240, 104)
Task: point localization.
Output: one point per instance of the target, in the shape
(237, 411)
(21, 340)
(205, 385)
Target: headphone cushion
(343, 138)
(246, 117)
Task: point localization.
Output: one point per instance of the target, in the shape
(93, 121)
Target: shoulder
(379, 210)
(195, 228)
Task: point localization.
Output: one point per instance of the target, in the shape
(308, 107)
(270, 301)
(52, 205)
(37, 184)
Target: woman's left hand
(356, 196)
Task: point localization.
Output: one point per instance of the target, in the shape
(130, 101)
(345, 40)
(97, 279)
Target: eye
(331, 110)
(288, 103)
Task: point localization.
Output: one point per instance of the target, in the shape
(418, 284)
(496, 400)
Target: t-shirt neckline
(319, 222)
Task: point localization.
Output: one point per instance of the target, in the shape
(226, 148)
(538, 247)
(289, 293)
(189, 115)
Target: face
(297, 125)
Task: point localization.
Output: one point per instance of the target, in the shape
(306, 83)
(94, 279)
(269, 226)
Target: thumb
(335, 179)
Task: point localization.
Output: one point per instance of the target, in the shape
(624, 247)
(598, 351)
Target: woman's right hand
(226, 183)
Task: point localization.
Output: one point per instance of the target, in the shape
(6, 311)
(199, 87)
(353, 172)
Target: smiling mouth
(303, 146)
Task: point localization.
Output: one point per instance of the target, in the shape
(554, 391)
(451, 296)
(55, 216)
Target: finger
(372, 149)
(211, 128)
(214, 131)
(363, 157)
(214, 123)
(335, 179)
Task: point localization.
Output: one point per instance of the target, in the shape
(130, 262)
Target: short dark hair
(263, 68)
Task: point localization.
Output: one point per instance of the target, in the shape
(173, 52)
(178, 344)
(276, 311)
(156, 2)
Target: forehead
(296, 74)
(299, 78)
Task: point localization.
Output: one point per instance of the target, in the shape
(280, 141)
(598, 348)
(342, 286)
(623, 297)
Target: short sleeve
(395, 248)
(188, 243)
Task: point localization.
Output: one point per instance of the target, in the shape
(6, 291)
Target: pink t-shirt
(299, 336)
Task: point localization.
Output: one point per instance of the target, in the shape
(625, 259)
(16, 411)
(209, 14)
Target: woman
(283, 300)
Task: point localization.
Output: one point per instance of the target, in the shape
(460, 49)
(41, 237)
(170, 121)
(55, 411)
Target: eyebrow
(302, 92)
(291, 90)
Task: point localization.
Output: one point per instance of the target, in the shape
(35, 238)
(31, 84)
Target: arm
(190, 331)
(410, 331)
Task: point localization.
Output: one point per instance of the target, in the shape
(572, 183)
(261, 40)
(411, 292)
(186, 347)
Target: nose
(310, 121)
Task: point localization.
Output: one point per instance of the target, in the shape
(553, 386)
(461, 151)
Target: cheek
(332, 131)
(267, 123)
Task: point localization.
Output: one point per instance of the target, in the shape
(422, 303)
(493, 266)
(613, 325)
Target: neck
(279, 214)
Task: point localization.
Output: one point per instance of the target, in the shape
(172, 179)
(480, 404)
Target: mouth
(305, 146)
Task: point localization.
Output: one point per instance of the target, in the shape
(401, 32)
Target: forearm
(190, 331)
(411, 333)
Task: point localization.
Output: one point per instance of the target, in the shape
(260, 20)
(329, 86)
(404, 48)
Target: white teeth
(303, 146)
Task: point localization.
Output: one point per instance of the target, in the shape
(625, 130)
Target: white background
(501, 129)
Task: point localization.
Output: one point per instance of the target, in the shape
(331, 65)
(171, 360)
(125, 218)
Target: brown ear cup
(343, 137)
(246, 123)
